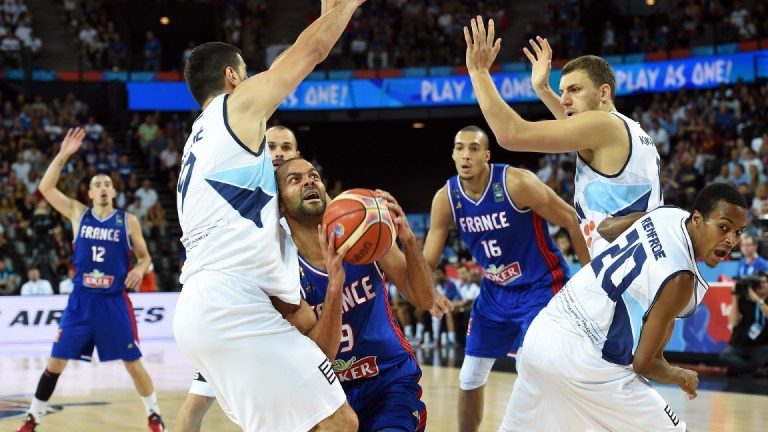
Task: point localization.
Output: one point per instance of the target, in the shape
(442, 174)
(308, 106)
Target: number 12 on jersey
(97, 254)
(491, 247)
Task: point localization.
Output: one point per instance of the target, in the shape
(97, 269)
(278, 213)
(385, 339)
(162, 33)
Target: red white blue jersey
(101, 253)
(371, 341)
(513, 246)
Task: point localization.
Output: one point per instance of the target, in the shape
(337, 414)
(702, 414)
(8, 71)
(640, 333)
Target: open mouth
(277, 162)
(569, 113)
(721, 254)
(312, 196)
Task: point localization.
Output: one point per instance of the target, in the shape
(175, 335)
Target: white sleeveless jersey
(636, 188)
(227, 204)
(607, 300)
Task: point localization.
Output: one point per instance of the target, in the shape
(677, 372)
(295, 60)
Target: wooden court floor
(100, 396)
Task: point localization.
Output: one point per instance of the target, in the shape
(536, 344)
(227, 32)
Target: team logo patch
(119, 219)
(498, 192)
(503, 275)
(97, 279)
(354, 369)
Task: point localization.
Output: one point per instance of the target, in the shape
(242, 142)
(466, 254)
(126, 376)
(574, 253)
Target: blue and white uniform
(522, 267)
(99, 312)
(576, 360)
(635, 188)
(375, 364)
(225, 321)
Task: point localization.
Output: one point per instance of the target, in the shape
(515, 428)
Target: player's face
(282, 146)
(302, 193)
(101, 192)
(719, 232)
(578, 93)
(470, 154)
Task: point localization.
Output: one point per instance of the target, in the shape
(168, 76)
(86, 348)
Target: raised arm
(407, 269)
(515, 133)
(68, 207)
(440, 222)
(143, 260)
(527, 191)
(260, 95)
(541, 65)
(649, 357)
(611, 228)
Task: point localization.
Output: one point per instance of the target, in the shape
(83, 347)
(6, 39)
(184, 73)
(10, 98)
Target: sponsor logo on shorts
(503, 275)
(672, 416)
(97, 279)
(354, 369)
(198, 377)
(327, 370)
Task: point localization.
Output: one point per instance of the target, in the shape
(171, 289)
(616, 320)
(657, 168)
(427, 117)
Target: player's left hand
(404, 231)
(133, 279)
(332, 258)
(441, 307)
(482, 46)
(688, 381)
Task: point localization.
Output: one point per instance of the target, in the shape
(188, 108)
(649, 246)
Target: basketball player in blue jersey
(588, 355)
(235, 278)
(373, 361)
(99, 313)
(617, 164)
(501, 214)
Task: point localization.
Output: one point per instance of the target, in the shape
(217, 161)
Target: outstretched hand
(72, 141)
(482, 46)
(541, 62)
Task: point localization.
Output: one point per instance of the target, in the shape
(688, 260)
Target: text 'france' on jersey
(227, 205)
(635, 188)
(101, 253)
(607, 300)
(371, 341)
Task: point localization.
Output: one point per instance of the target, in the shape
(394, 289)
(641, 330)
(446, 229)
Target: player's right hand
(541, 62)
(482, 47)
(441, 307)
(332, 258)
(688, 381)
(72, 141)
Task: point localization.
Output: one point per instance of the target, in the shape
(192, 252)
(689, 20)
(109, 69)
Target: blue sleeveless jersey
(371, 342)
(101, 253)
(513, 246)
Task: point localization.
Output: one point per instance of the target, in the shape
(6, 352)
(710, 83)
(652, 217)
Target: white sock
(150, 403)
(409, 331)
(436, 322)
(419, 331)
(452, 337)
(38, 408)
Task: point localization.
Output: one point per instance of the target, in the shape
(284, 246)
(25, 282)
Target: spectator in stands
(11, 47)
(35, 285)
(563, 242)
(448, 288)
(8, 280)
(468, 290)
(33, 49)
(147, 194)
(155, 221)
(66, 285)
(748, 351)
(136, 207)
(750, 262)
(146, 132)
(153, 51)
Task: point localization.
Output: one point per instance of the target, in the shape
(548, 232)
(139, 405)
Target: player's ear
(605, 93)
(487, 155)
(231, 76)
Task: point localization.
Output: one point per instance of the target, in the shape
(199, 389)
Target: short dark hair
(707, 199)
(476, 129)
(598, 70)
(282, 166)
(204, 70)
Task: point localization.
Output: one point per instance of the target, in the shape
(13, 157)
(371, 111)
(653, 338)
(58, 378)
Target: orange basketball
(359, 218)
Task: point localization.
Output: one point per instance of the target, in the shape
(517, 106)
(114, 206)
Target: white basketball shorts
(266, 375)
(564, 384)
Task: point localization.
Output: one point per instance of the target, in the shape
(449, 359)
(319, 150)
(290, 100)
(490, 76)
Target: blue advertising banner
(515, 87)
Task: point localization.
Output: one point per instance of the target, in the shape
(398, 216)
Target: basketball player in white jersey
(587, 357)
(264, 372)
(617, 168)
(282, 147)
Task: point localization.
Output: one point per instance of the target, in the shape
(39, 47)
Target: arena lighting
(164, 20)
(304, 128)
(418, 125)
(650, 2)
